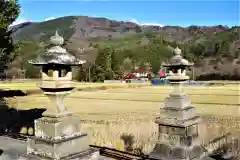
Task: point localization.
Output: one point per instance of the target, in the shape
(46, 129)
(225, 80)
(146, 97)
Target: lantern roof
(57, 55)
(178, 60)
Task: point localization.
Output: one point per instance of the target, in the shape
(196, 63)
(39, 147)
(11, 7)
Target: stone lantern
(178, 124)
(56, 74)
(57, 133)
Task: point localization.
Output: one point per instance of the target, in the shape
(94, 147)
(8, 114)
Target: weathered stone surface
(16, 150)
(61, 149)
(169, 139)
(56, 84)
(180, 102)
(178, 60)
(57, 127)
(57, 134)
(179, 114)
(171, 121)
(89, 156)
(163, 151)
(171, 130)
(160, 151)
(56, 107)
(57, 138)
(57, 54)
(178, 123)
(192, 130)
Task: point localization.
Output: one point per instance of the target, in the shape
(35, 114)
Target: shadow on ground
(13, 120)
(11, 123)
(11, 93)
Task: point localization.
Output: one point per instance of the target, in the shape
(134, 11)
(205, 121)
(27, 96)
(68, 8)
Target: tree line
(118, 57)
(215, 54)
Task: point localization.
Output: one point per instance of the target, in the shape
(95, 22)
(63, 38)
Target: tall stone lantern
(178, 124)
(56, 74)
(57, 133)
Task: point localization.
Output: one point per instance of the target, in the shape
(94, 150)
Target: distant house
(129, 76)
(161, 74)
(139, 73)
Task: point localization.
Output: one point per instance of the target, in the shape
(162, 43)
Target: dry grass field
(31, 85)
(132, 109)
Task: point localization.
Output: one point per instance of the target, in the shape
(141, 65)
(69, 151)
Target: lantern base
(163, 151)
(57, 138)
(82, 155)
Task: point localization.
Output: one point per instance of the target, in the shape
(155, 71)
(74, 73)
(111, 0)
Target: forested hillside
(112, 47)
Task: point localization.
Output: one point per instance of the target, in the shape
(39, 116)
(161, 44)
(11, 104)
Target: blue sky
(171, 12)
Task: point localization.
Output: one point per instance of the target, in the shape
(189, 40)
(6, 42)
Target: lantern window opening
(50, 73)
(60, 72)
(45, 70)
(63, 71)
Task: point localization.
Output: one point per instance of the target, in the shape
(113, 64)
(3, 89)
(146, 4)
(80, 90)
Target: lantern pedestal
(56, 91)
(56, 108)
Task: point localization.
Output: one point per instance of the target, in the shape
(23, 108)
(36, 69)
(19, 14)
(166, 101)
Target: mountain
(17, 27)
(215, 49)
(80, 27)
(83, 27)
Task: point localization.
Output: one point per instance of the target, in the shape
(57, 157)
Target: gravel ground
(11, 148)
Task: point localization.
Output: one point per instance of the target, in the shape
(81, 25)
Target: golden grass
(106, 120)
(32, 85)
(96, 106)
(19, 85)
(109, 113)
(200, 95)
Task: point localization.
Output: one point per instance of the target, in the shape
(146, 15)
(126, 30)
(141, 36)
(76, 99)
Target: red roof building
(161, 74)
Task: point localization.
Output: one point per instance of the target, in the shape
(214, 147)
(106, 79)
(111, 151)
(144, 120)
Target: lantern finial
(56, 39)
(177, 51)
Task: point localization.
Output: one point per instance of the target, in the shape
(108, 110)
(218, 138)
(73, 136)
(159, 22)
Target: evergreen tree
(9, 12)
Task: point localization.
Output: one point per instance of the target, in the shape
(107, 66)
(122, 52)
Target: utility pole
(89, 73)
(89, 70)
(193, 74)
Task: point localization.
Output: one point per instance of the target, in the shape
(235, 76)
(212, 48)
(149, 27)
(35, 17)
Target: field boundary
(189, 94)
(93, 88)
(116, 99)
(140, 100)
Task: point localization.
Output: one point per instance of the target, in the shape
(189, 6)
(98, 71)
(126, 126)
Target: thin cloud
(147, 23)
(153, 24)
(19, 21)
(50, 18)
